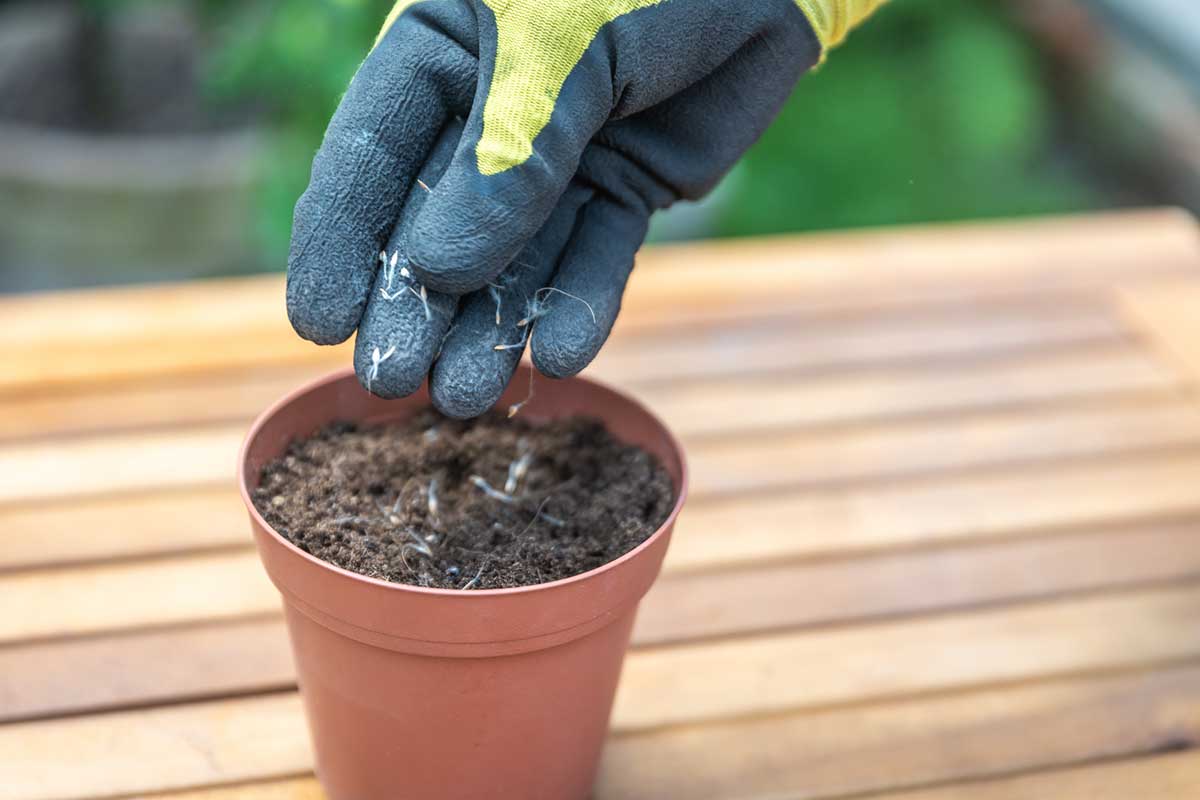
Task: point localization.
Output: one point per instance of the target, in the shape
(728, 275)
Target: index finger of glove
(421, 72)
(544, 91)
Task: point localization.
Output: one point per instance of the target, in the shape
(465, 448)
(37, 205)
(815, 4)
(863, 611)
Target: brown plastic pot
(438, 693)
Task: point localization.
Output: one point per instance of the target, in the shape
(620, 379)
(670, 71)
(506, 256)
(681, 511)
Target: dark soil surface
(513, 503)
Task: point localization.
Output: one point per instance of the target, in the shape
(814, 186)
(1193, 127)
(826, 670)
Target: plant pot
(438, 693)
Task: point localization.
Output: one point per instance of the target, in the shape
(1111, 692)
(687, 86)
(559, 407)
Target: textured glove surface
(491, 171)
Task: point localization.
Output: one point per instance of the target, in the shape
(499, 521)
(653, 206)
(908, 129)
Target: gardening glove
(492, 168)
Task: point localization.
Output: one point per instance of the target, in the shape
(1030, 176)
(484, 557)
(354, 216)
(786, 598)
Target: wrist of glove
(490, 173)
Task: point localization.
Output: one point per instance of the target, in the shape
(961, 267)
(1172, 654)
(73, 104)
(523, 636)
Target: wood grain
(204, 326)
(80, 600)
(939, 444)
(815, 753)
(968, 736)
(1166, 777)
(143, 666)
(1167, 315)
(843, 520)
(914, 333)
(834, 520)
(942, 739)
(942, 542)
(675, 686)
(931, 739)
(107, 526)
(768, 597)
(766, 405)
(77, 600)
(137, 461)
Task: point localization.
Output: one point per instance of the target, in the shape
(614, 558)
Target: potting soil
(478, 504)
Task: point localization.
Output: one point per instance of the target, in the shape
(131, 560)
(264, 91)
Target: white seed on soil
(469, 584)
(518, 468)
(432, 499)
(490, 490)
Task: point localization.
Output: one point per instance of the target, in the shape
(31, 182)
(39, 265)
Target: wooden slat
(96, 465)
(140, 667)
(675, 685)
(787, 524)
(852, 751)
(290, 789)
(887, 490)
(838, 520)
(143, 667)
(1166, 777)
(145, 751)
(204, 326)
(139, 461)
(923, 332)
(971, 507)
(1167, 315)
(216, 396)
(122, 526)
(855, 750)
(81, 600)
(753, 599)
(727, 407)
(937, 445)
(256, 738)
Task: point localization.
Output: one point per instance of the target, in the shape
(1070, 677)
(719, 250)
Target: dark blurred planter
(131, 181)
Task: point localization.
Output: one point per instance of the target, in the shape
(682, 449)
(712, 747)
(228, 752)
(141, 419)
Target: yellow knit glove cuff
(831, 20)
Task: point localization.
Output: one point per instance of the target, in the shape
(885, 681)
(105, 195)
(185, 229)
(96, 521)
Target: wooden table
(944, 541)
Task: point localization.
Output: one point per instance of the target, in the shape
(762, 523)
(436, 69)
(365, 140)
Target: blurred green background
(935, 110)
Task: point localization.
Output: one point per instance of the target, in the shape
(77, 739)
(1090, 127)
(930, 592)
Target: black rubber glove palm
(492, 168)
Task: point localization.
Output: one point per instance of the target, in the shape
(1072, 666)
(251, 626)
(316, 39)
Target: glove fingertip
(460, 399)
(453, 265)
(321, 322)
(561, 351)
(388, 384)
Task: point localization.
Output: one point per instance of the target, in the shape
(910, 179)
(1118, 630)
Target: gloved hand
(491, 171)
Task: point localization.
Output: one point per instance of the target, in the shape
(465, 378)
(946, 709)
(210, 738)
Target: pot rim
(346, 372)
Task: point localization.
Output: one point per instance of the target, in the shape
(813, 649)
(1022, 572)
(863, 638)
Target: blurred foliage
(294, 58)
(934, 110)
